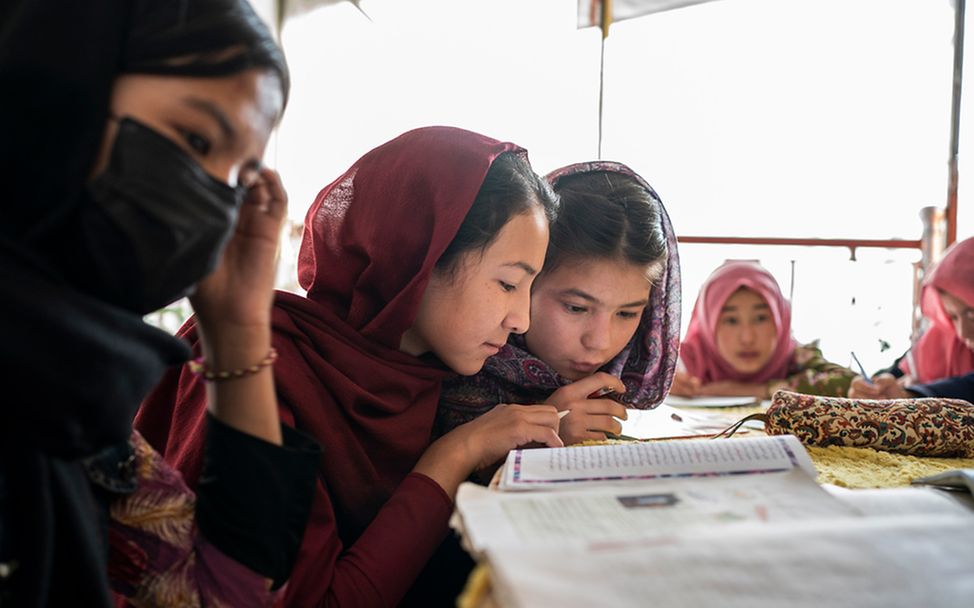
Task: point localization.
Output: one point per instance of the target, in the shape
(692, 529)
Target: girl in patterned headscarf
(605, 311)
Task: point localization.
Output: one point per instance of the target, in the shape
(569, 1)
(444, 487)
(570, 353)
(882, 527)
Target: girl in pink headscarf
(941, 363)
(739, 342)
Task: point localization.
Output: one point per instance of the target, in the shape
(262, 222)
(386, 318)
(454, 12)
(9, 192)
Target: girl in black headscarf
(130, 152)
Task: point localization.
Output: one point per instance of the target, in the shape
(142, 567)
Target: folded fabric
(931, 426)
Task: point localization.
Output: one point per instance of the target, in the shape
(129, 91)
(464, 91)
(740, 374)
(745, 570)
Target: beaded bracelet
(198, 366)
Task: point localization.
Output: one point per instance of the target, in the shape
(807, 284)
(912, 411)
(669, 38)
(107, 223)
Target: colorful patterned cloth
(157, 556)
(921, 427)
(811, 373)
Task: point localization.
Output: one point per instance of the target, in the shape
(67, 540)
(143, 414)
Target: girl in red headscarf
(418, 263)
(739, 342)
(941, 363)
(606, 311)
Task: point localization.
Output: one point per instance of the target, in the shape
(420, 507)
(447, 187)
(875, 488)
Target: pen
(602, 392)
(862, 369)
(609, 435)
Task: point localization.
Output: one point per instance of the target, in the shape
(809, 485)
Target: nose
(597, 335)
(518, 318)
(746, 334)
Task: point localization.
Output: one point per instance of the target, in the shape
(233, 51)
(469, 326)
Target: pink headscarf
(699, 349)
(940, 353)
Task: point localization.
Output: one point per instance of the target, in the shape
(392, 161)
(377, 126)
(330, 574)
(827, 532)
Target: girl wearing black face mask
(130, 155)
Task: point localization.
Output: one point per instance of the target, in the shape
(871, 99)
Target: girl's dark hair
(201, 38)
(510, 188)
(607, 216)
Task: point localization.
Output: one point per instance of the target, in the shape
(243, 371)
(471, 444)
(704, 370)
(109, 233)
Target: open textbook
(881, 562)
(737, 522)
(612, 493)
(600, 464)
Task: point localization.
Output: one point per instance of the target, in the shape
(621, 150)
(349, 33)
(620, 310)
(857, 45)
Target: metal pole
(606, 22)
(952, 177)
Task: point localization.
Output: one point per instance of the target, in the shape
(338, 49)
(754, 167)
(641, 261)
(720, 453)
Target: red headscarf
(940, 353)
(371, 240)
(699, 353)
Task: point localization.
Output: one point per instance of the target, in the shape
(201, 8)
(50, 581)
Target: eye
(575, 310)
(761, 318)
(625, 314)
(197, 142)
(507, 286)
(729, 321)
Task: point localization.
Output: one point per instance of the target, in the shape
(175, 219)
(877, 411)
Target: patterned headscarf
(646, 364)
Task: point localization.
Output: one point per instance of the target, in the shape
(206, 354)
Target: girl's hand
(884, 386)
(685, 385)
(485, 440)
(731, 388)
(238, 294)
(589, 417)
(233, 307)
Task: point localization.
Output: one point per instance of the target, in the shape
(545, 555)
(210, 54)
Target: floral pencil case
(929, 426)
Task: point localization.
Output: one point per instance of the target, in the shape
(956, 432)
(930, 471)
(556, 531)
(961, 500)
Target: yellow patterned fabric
(868, 468)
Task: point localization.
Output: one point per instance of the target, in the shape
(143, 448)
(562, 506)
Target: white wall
(799, 118)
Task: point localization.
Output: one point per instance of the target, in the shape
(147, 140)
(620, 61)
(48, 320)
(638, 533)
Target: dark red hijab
(371, 240)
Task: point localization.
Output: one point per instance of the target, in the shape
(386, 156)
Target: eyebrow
(733, 308)
(523, 266)
(215, 112)
(590, 298)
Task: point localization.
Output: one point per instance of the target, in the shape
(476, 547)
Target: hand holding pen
(883, 386)
(862, 370)
(592, 415)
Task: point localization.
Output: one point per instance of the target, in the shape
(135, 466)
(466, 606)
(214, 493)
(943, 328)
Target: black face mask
(159, 222)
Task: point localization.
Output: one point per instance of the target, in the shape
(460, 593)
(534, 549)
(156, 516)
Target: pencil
(862, 370)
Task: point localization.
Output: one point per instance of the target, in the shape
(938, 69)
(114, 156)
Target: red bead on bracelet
(199, 367)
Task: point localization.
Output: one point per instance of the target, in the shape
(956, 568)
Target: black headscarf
(74, 366)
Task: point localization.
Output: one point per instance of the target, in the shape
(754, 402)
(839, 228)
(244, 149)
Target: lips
(748, 355)
(494, 347)
(585, 368)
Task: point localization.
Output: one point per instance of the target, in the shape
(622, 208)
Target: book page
(904, 501)
(959, 479)
(548, 468)
(877, 562)
(600, 515)
(664, 422)
(714, 401)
